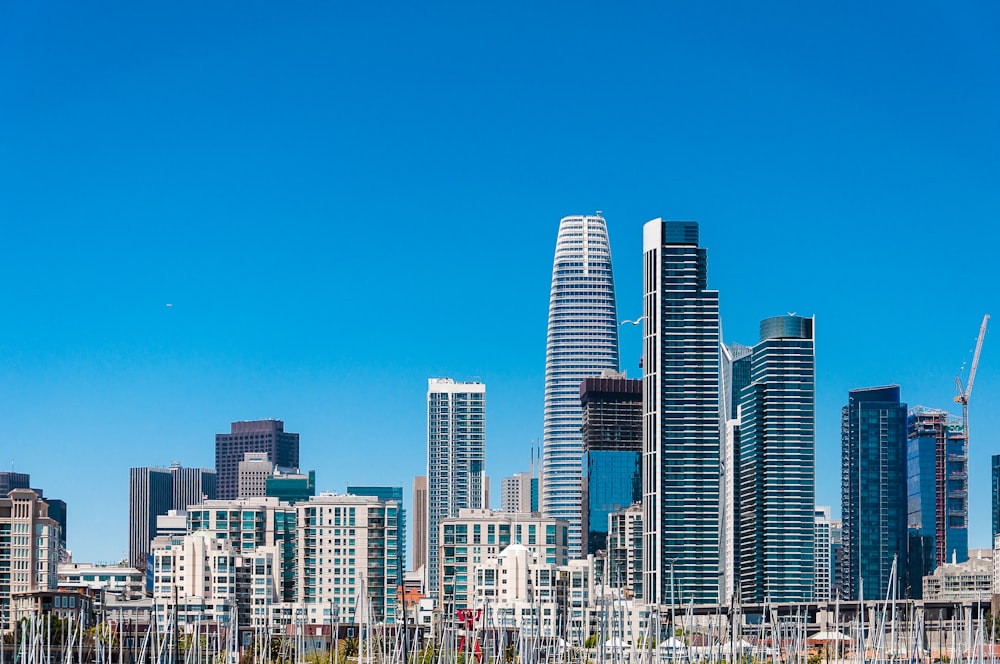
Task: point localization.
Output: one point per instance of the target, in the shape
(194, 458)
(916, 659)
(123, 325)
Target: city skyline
(147, 167)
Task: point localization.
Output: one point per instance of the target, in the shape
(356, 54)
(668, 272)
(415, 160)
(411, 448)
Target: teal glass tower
(582, 342)
(873, 490)
(937, 472)
(681, 418)
(777, 467)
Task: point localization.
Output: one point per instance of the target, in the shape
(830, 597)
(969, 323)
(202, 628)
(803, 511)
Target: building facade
(582, 341)
(735, 376)
(420, 523)
(777, 465)
(516, 494)
(387, 494)
(937, 475)
(267, 436)
(873, 490)
(477, 534)
(348, 559)
(612, 452)
(156, 491)
(823, 555)
(252, 473)
(456, 459)
(995, 504)
(681, 422)
(251, 524)
(29, 551)
(624, 561)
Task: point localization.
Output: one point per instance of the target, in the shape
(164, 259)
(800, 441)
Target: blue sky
(342, 199)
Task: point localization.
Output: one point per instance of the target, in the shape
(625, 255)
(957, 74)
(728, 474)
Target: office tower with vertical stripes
(777, 465)
(582, 342)
(456, 460)
(873, 490)
(681, 417)
(154, 492)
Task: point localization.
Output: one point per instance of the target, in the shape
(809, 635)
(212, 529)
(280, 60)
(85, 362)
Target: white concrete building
(971, 581)
(515, 493)
(823, 555)
(29, 540)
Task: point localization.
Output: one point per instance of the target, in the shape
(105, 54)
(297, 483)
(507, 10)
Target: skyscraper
(681, 435)
(582, 342)
(735, 376)
(456, 459)
(873, 490)
(612, 452)
(256, 436)
(155, 491)
(937, 471)
(996, 496)
(777, 467)
(10, 480)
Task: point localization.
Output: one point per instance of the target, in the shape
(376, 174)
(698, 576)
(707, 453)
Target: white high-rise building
(456, 459)
(582, 342)
(823, 556)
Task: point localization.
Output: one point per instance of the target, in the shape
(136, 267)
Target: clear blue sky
(341, 199)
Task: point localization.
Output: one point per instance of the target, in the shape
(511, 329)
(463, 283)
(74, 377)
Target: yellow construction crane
(964, 394)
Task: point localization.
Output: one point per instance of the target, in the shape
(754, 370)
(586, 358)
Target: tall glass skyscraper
(995, 504)
(937, 478)
(582, 342)
(777, 465)
(681, 418)
(456, 460)
(873, 490)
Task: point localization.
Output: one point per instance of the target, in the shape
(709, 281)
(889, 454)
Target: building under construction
(937, 470)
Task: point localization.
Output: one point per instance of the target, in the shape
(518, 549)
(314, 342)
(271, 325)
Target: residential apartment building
(624, 560)
(29, 550)
(873, 490)
(823, 555)
(349, 557)
(475, 535)
(777, 465)
(456, 459)
(681, 418)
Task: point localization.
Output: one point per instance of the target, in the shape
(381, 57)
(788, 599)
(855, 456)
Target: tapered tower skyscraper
(582, 342)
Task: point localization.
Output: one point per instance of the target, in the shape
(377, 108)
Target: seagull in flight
(633, 322)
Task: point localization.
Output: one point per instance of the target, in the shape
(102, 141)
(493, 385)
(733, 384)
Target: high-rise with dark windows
(612, 451)
(777, 467)
(937, 476)
(873, 490)
(996, 496)
(267, 436)
(154, 492)
(681, 417)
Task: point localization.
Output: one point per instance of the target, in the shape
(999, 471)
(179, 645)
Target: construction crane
(966, 392)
